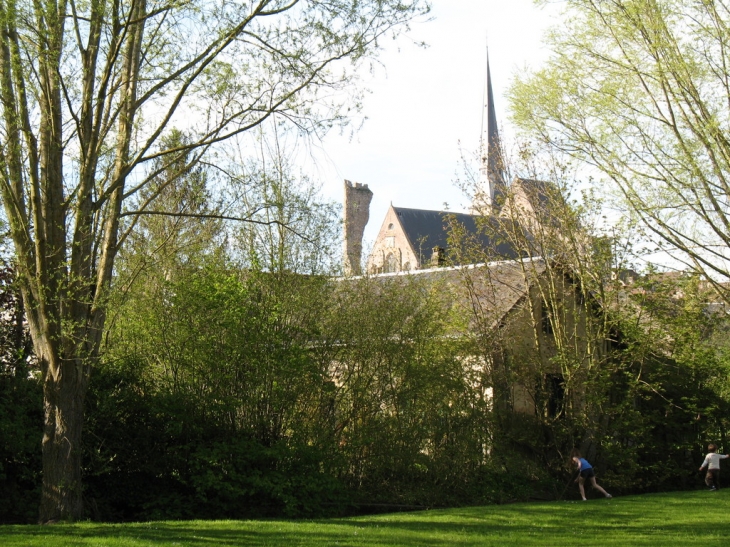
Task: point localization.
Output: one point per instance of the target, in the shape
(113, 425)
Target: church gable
(416, 239)
(392, 251)
(411, 239)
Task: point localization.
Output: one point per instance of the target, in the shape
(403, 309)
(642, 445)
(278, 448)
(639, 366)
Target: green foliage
(678, 376)
(157, 454)
(638, 89)
(20, 410)
(284, 389)
(407, 424)
(20, 458)
(214, 403)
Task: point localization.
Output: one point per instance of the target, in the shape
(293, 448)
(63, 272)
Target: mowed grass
(682, 518)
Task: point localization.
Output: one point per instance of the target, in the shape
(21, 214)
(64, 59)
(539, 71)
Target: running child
(712, 462)
(586, 472)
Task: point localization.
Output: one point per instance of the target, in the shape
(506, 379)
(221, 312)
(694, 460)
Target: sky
(425, 104)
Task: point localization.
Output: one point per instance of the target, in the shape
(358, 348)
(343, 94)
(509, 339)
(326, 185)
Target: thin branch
(220, 217)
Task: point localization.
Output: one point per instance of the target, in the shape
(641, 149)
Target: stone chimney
(438, 257)
(357, 214)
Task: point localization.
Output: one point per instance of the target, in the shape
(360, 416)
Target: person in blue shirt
(586, 472)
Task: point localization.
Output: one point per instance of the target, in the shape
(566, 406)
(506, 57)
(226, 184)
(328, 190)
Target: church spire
(492, 168)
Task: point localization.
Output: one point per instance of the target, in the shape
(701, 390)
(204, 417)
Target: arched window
(390, 263)
(390, 226)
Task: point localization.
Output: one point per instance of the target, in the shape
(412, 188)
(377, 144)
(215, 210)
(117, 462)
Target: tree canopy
(87, 92)
(640, 90)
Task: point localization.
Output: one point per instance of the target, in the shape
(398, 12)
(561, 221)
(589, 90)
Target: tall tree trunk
(70, 97)
(61, 497)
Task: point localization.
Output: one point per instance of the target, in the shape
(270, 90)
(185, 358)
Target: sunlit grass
(683, 518)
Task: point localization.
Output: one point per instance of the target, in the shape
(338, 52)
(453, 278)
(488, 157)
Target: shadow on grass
(693, 519)
(199, 534)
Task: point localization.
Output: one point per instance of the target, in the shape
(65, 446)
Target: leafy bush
(152, 454)
(21, 417)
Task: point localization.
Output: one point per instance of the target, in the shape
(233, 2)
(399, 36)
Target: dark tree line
(229, 392)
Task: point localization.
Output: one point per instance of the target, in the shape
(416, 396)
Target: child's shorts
(587, 473)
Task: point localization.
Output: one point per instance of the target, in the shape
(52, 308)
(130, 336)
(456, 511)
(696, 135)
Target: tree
(181, 227)
(639, 89)
(628, 366)
(293, 228)
(546, 354)
(87, 90)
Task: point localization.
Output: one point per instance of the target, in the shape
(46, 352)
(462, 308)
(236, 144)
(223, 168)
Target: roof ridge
(436, 211)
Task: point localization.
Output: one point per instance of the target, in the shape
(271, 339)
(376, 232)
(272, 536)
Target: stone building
(416, 239)
(503, 297)
(501, 301)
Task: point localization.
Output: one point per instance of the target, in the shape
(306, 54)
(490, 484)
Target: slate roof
(426, 230)
(496, 288)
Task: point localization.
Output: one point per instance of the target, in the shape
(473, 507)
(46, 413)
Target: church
(505, 289)
(417, 239)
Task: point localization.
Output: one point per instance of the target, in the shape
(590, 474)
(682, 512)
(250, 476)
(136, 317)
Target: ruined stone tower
(357, 213)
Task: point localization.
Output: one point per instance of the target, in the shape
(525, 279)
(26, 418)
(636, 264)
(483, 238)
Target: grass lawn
(683, 518)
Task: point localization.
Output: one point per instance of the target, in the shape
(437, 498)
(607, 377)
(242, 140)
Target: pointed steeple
(492, 167)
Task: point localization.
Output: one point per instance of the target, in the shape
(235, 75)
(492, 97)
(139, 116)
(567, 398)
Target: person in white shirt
(712, 462)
